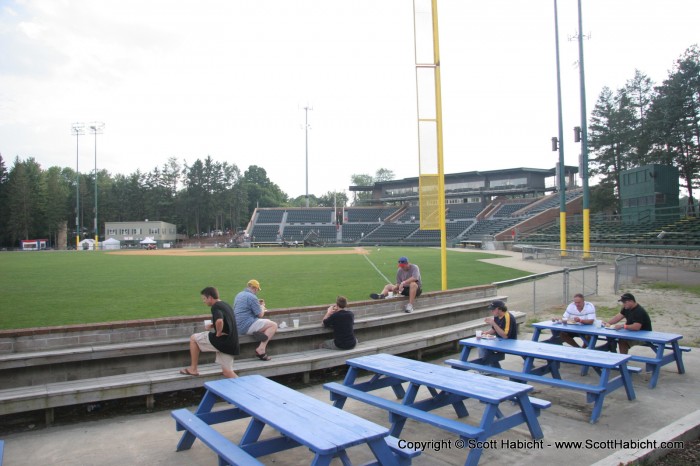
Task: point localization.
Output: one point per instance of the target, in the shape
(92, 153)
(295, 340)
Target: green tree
(58, 209)
(333, 199)
(26, 201)
(362, 179)
(675, 120)
(261, 191)
(612, 132)
(640, 90)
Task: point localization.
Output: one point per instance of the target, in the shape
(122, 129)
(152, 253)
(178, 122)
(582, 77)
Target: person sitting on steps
(407, 284)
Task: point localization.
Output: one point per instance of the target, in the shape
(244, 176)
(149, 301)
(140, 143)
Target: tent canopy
(148, 241)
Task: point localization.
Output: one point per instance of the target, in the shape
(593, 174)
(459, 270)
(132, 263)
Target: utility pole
(96, 128)
(561, 176)
(584, 142)
(306, 131)
(77, 129)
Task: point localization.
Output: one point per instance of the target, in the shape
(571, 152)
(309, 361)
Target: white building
(132, 233)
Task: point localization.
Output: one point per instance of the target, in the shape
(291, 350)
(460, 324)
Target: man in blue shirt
(249, 313)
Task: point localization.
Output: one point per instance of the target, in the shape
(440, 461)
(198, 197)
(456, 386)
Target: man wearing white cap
(407, 284)
(249, 313)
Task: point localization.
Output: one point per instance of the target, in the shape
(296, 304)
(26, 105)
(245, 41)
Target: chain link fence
(551, 289)
(628, 268)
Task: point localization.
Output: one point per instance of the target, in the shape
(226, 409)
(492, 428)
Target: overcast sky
(230, 79)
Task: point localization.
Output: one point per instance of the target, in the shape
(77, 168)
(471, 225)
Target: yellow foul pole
(429, 103)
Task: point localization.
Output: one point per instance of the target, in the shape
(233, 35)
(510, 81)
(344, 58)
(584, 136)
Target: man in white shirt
(580, 311)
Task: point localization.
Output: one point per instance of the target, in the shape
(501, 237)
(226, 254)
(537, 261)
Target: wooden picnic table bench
(300, 420)
(554, 355)
(445, 387)
(660, 342)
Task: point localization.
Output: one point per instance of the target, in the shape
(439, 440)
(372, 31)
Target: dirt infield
(239, 252)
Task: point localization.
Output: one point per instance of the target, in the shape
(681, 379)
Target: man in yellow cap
(249, 313)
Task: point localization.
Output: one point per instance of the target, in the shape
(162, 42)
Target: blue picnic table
(300, 420)
(553, 355)
(445, 387)
(660, 342)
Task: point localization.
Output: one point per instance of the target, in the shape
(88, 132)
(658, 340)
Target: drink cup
(207, 323)
(598, 323)
(296, 323)
(478, 334)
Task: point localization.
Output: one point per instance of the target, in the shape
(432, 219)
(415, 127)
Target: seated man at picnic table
(637, 319)
(342, 322)
(249, 313)
(503, 325)
(580, 311)
(221, 336)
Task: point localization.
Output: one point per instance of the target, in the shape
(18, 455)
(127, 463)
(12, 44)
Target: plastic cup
(478, 334)
(296, 323)
(207, 323)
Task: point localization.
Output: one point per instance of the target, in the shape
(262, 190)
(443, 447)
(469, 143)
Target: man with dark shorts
(637, 319)
(221, 336)
(407, 284)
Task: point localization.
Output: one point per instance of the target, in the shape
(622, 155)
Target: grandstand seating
(390, 232)
(462, 211)
(265, 233)
(368, 214)
(490, 227)
(310, 216)
(355, 231)
(326, 233)
(506, 210)
(270, 216)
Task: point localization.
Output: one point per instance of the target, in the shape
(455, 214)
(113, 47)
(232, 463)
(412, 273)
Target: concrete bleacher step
(148, 383)
(157, 346)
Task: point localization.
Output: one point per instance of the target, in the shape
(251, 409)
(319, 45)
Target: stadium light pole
(584, 142)
(306, 132)
(561, 176)
(77, 129)
(96, 128)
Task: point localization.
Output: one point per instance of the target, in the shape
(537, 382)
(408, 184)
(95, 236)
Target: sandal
(263, 357)
(186, 371)
(259, 336)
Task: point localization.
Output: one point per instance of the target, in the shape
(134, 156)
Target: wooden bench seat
(397, 409)
(523, 377)
(228, 452)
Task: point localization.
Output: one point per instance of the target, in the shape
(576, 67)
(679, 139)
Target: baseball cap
(403, 260)
(496, 304)
(254, 283)
(627, 297)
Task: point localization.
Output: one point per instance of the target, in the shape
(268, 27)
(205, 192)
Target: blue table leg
(383, 453)
(536, 334)
(530, 416)
(678, 354)
(627, 382)
(656, 368)
(252, 432)
(591, 345)
(205, 406)
(465, 353)
(599, 398)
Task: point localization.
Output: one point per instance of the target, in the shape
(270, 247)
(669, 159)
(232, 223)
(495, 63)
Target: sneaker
(377, 296)
(408, 308)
